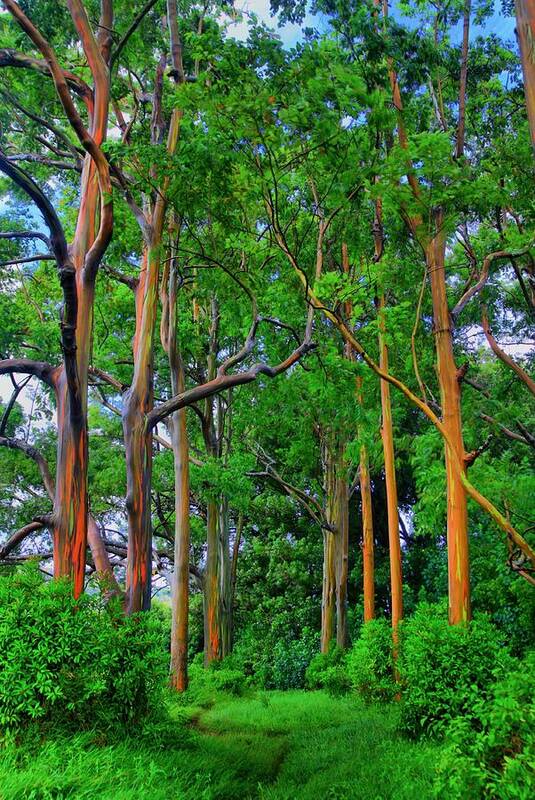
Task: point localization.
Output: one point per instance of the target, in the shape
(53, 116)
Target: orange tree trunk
(212, 632)
(457, 515)
(387, 437)
(69, 533)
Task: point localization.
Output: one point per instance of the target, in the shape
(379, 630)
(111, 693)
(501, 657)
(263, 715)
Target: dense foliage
(75, 664)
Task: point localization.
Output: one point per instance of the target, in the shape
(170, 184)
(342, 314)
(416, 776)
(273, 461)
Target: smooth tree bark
(387, 437)
(450, 396)
(335, 543)
(368, 557)
(138, 400)
(525, 31)
(431, 236)
(78, 267)
(368, 567)
(178, 432)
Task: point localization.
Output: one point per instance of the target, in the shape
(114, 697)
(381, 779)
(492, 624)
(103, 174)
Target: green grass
(271, 746)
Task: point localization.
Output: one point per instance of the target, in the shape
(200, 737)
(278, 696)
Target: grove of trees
(266, 340)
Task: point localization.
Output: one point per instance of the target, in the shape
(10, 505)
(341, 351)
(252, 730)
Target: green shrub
(445, 669)
(370, 666)
(206, 683)
(328, 671)
(490, 753)
(79, 664)
(277, 660)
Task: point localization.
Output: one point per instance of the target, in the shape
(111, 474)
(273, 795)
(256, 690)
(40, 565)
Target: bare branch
(502, 355)
(130, 30)
(35, 455)
(19, 536)
(483, 278)
(25, 366)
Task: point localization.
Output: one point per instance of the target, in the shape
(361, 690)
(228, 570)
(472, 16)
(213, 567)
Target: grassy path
(270, 746)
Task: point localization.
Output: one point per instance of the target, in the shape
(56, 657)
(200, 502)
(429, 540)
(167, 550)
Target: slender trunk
(390, 480)
(138, 402)
(178, 431)
(457, 515)
(328, 601)
(224, 578)
(234, 572)
(341, 556)
(459, 146)
(180, 580)
(69, 534)
(212, 638)
(525, 29)
(367, 537)
(101, 558)
(368, 575)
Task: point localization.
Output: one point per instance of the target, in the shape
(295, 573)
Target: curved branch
(502, 355)
(222, 382)
(12, 58)
(66, 273)
(17, 389)
(130, 30)
(100, 73)
(483, 278)
(33, 453)
(25, 235)
(25, 366)
(22, 534)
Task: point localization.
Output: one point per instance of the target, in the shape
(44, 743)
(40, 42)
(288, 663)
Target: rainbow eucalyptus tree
(77, 262)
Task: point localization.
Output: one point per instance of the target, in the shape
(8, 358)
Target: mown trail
(267, 746)
(311, 746)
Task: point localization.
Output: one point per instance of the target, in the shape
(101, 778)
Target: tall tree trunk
(178, 431)
(525, 28)
(335, 547)
(368, 573)
(224, 578)
(212, 628)
(450, 394)
(180, 581)
(138, 402)
(328, 596)
(69, 534)
(367, 537)
(341, 556)
(234, 571)
(387, 437)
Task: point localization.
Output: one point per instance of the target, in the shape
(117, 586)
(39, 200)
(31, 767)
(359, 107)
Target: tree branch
(502, 355)
(25, 366)
(483, 278)
(222, 382)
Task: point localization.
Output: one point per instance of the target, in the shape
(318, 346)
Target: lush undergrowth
(269, 745)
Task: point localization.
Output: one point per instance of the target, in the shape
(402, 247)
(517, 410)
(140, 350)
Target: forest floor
(291, 745)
